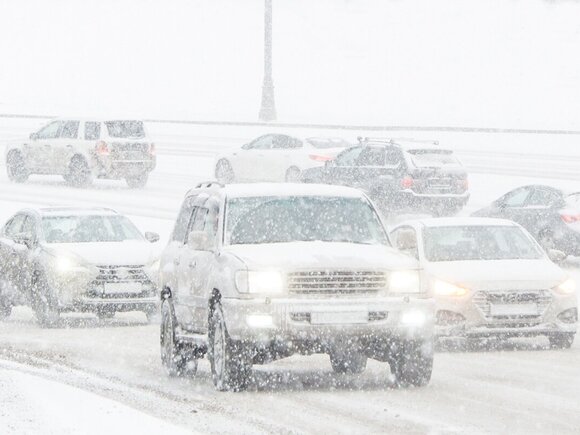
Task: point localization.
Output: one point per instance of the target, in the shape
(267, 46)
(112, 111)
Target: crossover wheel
(413, 363)
(44, 304)
(230, 363)
(224, 172)
(348, 362)
(561, 341)
(175, 357)
(79, 173)
(16, 167)
(137, 181)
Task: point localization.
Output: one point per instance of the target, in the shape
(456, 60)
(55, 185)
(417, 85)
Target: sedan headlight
(404, 281)
(259, 281)
(444, 288)
(568, 287)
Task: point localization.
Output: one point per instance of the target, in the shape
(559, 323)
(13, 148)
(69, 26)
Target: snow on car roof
(290, 189)
(75, 211)
(460, 222)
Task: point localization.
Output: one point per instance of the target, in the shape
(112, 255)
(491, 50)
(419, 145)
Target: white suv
(255, 273)
(81, 150)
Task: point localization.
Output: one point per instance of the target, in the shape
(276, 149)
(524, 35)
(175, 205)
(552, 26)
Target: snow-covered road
(520, 387)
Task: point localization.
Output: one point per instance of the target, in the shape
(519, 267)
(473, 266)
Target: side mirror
(246, 146)
(406, 240)
(152, 237)
(33, 136)
(24, 239)
(556, 256)
(199, 241)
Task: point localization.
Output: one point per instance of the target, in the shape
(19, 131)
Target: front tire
(561, 341)
(138, 181)
(79, 173)
(44, 304)
(224, 172)
(412, 365)
(16, 167)
(230, 364)
(174, 356)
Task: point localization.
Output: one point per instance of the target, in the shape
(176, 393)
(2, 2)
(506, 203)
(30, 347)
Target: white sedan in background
(61, 259)
(490, 278)
(276, 157)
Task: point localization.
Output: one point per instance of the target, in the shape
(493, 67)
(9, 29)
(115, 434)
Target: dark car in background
(551, 215)
(399, 174)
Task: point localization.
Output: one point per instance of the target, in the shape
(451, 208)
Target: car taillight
(570, 218)
(407, 182)
(152, 149)
(319, 158)
(102, 149)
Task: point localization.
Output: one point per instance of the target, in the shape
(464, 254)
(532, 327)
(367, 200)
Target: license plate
(123, 287)
(339, 318)
(514, 309)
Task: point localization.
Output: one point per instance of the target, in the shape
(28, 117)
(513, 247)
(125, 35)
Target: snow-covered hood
(499, 274)
(321, 255)
(130, 252)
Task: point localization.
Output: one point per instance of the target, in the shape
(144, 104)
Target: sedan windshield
(87, 229)
(256, 220)
(478, 243)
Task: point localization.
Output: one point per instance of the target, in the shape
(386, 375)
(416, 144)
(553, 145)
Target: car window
(29, 227)
(544, 197)
(14, 226)
(348, 157)
(371, 156)
(50, 131)
(392, 157)
(198, 222)
(262, 143)
(69, 130)
(125, 129)
(286, 142)
(92, 130)
(183, 219)
(516, 198)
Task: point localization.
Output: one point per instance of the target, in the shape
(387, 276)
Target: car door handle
(192, 264)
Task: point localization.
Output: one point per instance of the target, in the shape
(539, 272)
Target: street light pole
(268, 108)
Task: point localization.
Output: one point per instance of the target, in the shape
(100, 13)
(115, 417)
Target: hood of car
(499, 274)
(127, 253)
(321, 255)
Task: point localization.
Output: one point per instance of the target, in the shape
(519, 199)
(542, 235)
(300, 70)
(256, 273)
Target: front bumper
(305, 319)
(92, 304)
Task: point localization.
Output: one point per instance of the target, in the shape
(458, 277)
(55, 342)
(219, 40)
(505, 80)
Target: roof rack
(206, 184)
(362, 139)
(413, 140)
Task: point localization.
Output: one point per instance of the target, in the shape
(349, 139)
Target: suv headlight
(568, 287)
(64, 265)
(259, 281)
(444, 288)
(404, 281)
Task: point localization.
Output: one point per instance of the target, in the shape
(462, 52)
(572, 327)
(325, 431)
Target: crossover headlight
(259, 281)
(404, 281)
(568, 287)
(444, 288)
(64, 264)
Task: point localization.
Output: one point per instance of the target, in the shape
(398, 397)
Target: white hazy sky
(495, 63)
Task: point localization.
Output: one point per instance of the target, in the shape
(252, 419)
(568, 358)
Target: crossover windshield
(478, 243)
(256, 220)
(125, 129)
(87, 229)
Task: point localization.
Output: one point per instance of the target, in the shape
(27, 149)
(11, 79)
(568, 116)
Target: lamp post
(268, 107)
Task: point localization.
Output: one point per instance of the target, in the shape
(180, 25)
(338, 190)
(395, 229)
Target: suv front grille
(336, 282)
(484, 300)
(113, 274)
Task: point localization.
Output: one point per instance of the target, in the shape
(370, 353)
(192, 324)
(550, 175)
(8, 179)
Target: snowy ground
(113, 367)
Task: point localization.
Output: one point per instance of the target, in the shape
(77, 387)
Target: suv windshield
(478, 243)
(255, 220)
(428, 157)
(125, 129)
(85, 229)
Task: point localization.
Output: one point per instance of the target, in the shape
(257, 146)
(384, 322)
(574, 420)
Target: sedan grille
(337, 282)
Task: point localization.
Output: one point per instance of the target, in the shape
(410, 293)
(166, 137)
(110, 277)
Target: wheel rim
(219, 352)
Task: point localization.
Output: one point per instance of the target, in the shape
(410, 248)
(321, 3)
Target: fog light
(568, 316)
(413, 318)
(260, 321)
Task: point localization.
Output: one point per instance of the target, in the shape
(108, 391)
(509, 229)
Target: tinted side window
(198, 223)
(372, 156)
(183, 219)
(393, 157)
(92, 130)
(286, 142)
(348, 157)
(70, 130)
(14, 226)
(544, 197)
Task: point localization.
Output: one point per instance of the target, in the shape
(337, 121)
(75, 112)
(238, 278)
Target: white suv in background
(81, 150)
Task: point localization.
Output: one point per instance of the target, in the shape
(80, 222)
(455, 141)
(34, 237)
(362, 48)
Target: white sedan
(276, 157)
(490, 278)
(62, 259)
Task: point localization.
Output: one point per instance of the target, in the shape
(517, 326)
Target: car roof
(405, 144)
(74, 211)
(459, 222)
(237, 190)
(95, 119)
